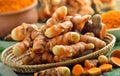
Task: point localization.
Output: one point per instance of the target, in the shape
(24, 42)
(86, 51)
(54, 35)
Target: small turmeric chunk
(102, 59)
(94, 71)
(105, 67)
(77, 70)
(115, 61)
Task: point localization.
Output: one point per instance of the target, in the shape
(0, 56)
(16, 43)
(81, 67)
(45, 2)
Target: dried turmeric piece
(94, 71)
(77, 70)
(105, 67)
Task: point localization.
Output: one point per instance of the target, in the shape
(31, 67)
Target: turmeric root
(33, 58)
(56, 71)
(21, 47)
(60, 13)
(57, 16)
(90, 63)
(39, 44)
(96, 41)
(71, 50)
(79, 21)
(96, 26)
(77, 70)
(105, 67)
(21, 31)
(65, 39)
(94, 71)
(102, 59)
(58, 29)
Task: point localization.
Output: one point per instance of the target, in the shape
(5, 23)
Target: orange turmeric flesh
(77, 70)
(115, 61)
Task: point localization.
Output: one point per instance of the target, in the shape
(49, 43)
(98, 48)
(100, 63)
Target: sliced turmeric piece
(115, 61)
(105, 67)
(94, 71)
(77, 70)
(116, 53)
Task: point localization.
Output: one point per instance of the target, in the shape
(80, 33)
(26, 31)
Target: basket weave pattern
(15, 63)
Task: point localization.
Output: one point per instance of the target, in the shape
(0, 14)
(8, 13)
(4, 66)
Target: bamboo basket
(15, 63)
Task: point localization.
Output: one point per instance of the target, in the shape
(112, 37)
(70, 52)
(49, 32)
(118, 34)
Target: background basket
(15, 63)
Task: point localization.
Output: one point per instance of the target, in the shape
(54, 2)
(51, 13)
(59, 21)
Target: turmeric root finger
(96, 26)
(57, 16)
(79, 21)
(65, 39)
(21, 47)
(20, 32)
(57, 71)
(60, 13)
(89, 39)
(99, 28)
(58, 29)
(39, 44)
(71, 50)
(50, 22)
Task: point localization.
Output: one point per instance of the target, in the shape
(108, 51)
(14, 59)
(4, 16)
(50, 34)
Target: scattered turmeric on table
(14, 5)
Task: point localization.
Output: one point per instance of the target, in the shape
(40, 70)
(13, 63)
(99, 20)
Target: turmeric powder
(14, 5)
(111, 19)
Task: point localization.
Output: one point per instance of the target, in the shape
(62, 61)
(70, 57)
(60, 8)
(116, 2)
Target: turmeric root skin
(71, 50)
(65, 39)
(58, 29)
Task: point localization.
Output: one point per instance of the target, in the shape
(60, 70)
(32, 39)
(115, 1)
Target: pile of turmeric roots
(61, 38)
(82, 7)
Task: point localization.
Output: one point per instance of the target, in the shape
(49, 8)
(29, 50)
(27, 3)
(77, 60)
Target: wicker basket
(15, 62)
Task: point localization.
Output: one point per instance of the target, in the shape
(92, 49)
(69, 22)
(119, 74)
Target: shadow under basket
(15, 63)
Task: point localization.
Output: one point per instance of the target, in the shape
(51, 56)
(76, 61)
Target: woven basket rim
(58, 63)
